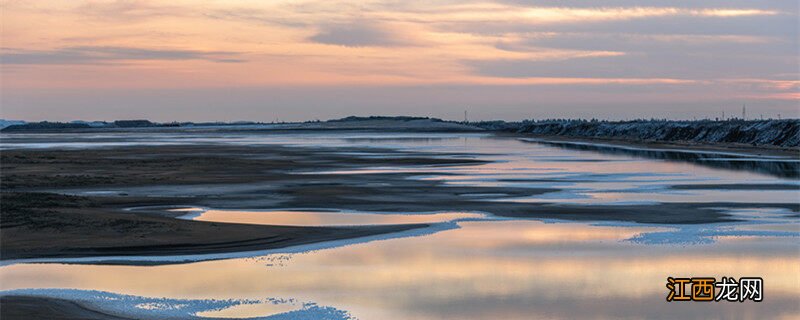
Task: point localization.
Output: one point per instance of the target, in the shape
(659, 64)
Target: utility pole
(465, 117)
(723, 115)
(744, 112)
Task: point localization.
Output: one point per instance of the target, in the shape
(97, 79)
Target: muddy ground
(70, 203)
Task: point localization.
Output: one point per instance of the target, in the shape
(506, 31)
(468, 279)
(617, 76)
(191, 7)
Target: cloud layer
(727, 50)
(102, 55)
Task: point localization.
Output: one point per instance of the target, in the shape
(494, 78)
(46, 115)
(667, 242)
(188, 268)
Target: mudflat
(39, 222)
(24, 308)
(51, 206)
(42, 225)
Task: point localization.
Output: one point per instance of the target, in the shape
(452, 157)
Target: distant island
(770, 133)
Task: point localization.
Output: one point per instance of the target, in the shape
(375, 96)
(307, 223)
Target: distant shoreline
(759, 137)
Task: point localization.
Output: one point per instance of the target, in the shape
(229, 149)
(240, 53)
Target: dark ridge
(395, 118)
(45, 125)
(133, 123)
(776, 133)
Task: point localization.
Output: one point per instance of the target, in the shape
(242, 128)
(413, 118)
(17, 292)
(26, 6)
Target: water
(470, 265)
(312, 218)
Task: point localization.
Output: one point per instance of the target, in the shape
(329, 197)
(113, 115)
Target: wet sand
(22, 307)
(37, 222)
(40, 225)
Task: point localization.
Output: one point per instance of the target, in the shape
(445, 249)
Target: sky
(233, 60)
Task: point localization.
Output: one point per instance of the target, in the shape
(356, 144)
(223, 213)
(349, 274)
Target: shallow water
(469, 265)
(517, 269)
(317, 218)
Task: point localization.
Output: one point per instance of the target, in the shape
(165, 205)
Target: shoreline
(412, 230)
(781, 163)
(726, 148)
(673, 133)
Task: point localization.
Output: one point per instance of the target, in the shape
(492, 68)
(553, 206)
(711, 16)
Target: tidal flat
(313, 224)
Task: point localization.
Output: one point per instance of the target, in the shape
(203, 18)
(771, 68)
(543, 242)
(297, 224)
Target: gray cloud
(625, 42)
(672, 56)
(103, 55)
(681, 47)
(671, 64)
(781, 5)
(781, 25)
(360, 34)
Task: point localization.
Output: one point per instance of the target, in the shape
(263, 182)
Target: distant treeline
(780, 133)
(50, 126)
(391, 118)
(47, 125)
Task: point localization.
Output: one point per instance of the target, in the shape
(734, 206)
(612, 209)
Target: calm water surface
(469, 265)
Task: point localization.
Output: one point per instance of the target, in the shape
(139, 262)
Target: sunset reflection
(483, 260)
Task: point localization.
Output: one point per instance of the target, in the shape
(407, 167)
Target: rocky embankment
(776, 133)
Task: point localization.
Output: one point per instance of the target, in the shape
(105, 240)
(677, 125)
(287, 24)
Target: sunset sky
(302, 60)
